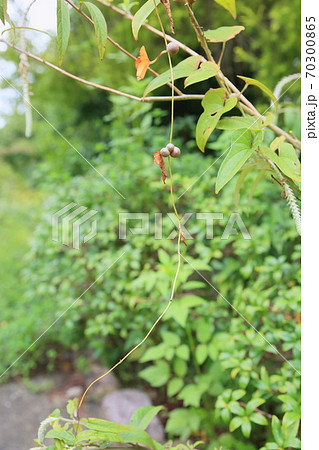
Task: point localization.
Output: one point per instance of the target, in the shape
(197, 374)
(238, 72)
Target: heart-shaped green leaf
(215, 106)
(181, 70)
(207, 70)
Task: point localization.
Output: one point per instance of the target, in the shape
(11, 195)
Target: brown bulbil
(172, 48)
(176, 152)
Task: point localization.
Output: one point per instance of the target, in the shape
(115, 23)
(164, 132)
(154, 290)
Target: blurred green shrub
(209, 365)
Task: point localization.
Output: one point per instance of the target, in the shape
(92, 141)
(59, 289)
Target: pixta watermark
(70, 225)
(139, 223)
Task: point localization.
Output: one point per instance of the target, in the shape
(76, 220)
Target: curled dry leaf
(167, 6)
(142, 62)
(159, 161)
(182, 236)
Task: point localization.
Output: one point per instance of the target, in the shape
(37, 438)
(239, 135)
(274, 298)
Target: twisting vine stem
(178, 240)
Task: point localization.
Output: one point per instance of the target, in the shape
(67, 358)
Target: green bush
(208, 363)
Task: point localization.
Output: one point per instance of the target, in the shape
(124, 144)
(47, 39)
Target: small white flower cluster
(294, 208)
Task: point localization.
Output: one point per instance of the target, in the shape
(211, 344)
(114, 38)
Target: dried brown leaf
(167, 6)
(142, 62)
(159, 161)
(182, 236)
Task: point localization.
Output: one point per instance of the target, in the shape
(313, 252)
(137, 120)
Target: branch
(247, 105)
(104, 88)
(150, 28)
(118, 46)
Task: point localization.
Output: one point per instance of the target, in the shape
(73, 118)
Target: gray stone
(105, 386)
(119, 406)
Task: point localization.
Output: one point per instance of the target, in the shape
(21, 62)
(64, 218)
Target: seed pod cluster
(170, 150)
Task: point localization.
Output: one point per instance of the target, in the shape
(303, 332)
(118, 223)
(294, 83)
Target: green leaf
(289, 402)
(204, 331)
(63, 28)
(191, 395)
(262, 87)
(277, 143)
(259, 419)
(139, 436)
(272, 446)
(201, 353)
(214, 105)
(95, 435)
(142, 417)
(253, 404)
(180, 367)
(288, 164)
(235, 423)
(183, 422)
(181, 70)
(213, 100)
(223, 34)
(207, 70)
(178, 313)
(86, 435)
(268, 118)
(156, 375)
(3, 10)
(174, 386)
(141, 15)
(104, 425)
(237, 394)
(287, 151)
(277, 431)
(230, 5)
(99, 26)
(236, 408)
(179, 310)
(171, 339)
(246, 427)
(190, 301)
(212, 351)
(154, 353)
(183, 352)
(65, 436)
(225, 415)
(72, 406)
(237, 122)
(293, 442)
(241, 149)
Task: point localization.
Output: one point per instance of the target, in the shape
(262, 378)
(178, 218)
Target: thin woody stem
(118, 46)
(99, 86)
